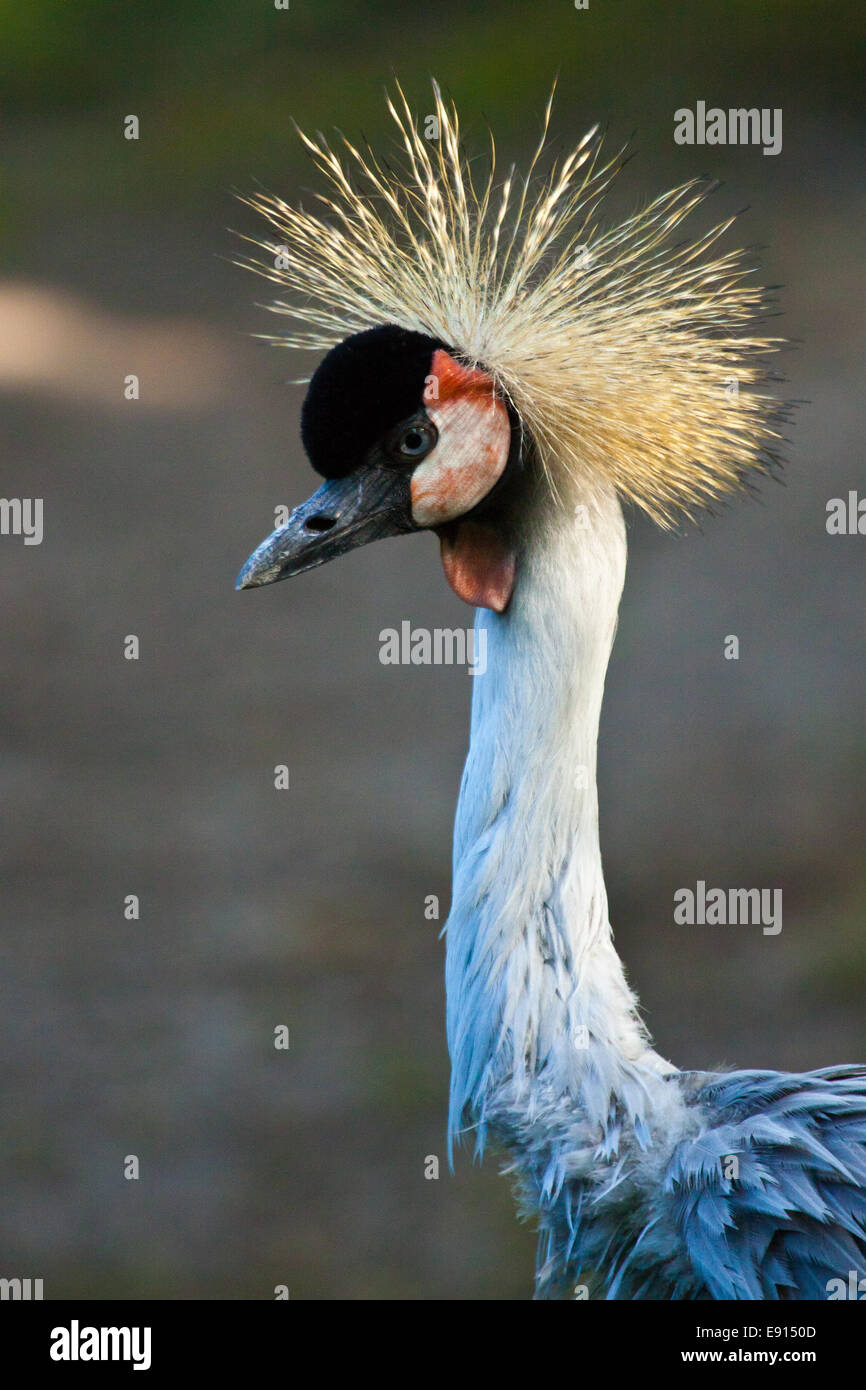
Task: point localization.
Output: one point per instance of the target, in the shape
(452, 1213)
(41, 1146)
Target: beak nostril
(320, 523)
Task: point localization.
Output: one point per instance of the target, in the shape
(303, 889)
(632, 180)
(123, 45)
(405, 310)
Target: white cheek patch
(471, 453)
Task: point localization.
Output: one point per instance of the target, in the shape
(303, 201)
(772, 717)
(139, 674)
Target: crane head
(407, 438)
(487, 335)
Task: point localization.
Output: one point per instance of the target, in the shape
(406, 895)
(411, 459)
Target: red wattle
(478, 565)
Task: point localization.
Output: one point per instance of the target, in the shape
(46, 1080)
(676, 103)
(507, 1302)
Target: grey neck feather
(542, 1027)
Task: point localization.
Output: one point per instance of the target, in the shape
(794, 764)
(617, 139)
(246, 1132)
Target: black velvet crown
(365, 386)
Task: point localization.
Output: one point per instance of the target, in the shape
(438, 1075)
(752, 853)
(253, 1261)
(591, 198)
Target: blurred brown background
(155, 777)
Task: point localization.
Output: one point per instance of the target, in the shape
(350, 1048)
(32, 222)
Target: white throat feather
(538, 1006)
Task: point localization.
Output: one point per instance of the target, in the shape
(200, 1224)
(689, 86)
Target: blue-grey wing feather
(792, 1218)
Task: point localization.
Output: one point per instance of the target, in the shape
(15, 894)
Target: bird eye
(413, 441)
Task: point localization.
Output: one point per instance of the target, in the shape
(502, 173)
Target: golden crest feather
(625, 355)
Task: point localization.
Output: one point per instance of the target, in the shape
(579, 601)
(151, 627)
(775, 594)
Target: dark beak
(367, 505)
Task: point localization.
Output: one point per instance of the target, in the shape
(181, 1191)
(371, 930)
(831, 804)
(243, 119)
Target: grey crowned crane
(503, 372)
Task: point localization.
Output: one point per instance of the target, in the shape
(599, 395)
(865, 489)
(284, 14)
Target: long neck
(538, 1006)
